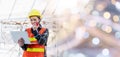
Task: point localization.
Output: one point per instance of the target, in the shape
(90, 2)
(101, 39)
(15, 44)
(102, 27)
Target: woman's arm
(42, 38)
(24, 47)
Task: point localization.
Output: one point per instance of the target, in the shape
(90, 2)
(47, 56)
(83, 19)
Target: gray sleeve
(42, 39)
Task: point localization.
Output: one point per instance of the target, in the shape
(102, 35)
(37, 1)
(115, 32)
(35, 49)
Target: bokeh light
(106, 15)
(100, 7)
(95, 13)
(116, 18)
(117, 35)
(95, 41)
(107, 29)
(117, 4)
(105, 51)
(92, 23)
(86, 35)
(113, 1)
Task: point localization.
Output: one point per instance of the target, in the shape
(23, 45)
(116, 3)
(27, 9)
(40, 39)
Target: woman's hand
(35, 25)
(21, 41)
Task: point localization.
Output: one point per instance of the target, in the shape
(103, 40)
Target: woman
(37, 36)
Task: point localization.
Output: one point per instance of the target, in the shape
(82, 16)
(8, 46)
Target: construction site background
(78, 28)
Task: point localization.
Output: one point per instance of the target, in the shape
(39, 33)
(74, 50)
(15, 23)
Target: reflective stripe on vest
(33, 39)
(35, 49)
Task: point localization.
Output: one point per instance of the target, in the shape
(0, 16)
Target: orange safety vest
(34, 50)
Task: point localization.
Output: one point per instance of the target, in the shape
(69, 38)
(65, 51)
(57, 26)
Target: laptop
(16, 35)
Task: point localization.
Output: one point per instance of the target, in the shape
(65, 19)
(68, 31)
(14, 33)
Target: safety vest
(35, 47)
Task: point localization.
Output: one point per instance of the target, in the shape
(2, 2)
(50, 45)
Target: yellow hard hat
(35, 12)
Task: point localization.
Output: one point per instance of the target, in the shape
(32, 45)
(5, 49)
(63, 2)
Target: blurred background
(78, 28)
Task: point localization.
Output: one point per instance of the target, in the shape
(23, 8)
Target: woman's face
(34, 20)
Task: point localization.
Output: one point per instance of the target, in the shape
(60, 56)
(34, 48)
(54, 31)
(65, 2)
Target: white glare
(95, 41)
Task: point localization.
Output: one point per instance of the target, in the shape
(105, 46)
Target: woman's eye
(34, 19)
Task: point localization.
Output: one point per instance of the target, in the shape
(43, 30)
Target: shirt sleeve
(42, 38)
(24, 47)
